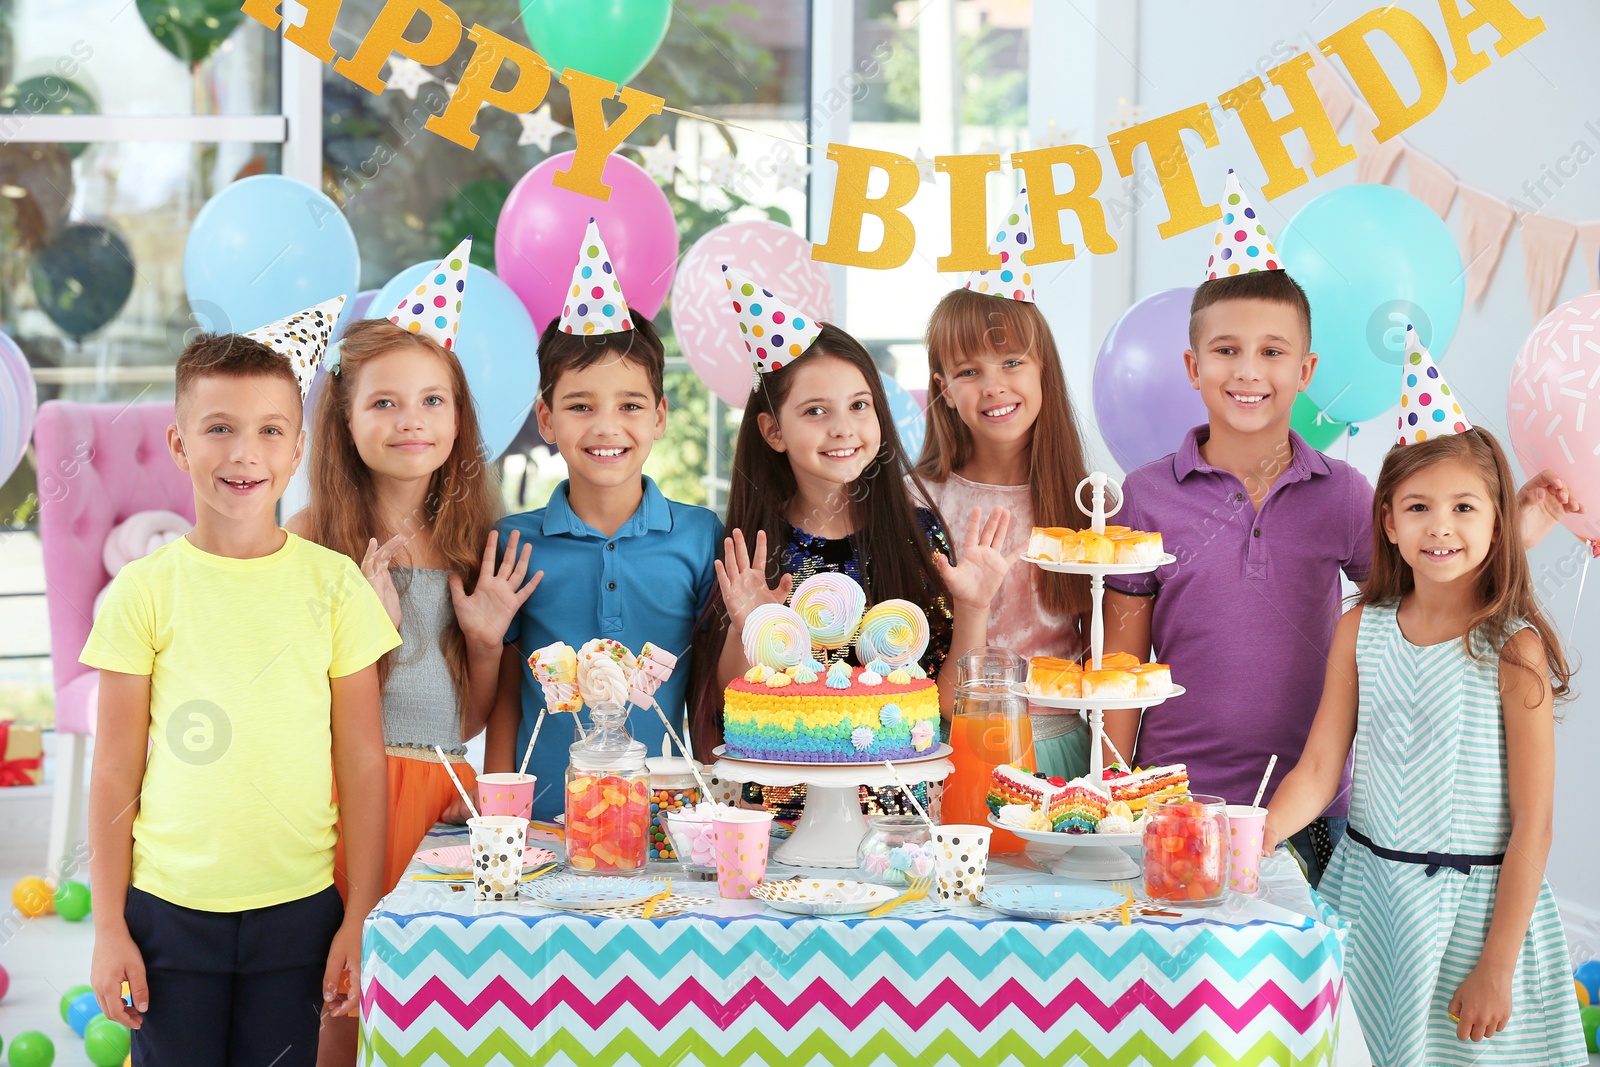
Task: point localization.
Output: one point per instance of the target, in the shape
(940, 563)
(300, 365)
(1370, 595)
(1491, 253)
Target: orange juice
(980, 741)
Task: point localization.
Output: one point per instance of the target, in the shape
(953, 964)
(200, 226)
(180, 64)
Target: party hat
(1427, 406)
(1241, 244)
(1013, 237)
(595, 303)
(434, 306)
(775, 334)
(303, 337)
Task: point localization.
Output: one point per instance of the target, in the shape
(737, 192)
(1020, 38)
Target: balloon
(497, 345)
(72, 901)
(910, 419)
(613, 39)
(1549, 430)
(47, 94)
(191, 29)
(703, 318)
(41, 179)
(31, 1049)
(1142, 396)
(19, 399)
(83, 1010)
(355, 309)
(541, 226)
(82, 278)
(1309, 422)
(1372, 259)
(106, 1042)
(266, 247)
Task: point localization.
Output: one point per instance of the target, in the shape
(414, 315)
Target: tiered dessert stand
(1094, 856)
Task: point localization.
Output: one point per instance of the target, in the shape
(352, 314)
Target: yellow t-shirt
(236, 810)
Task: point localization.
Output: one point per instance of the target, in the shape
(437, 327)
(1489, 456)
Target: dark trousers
(1315, 844)
(232, 989)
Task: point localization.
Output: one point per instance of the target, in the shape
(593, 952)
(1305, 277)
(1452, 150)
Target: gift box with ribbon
(21, 754)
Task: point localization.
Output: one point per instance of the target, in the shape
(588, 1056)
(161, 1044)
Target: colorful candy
(653, 668)
(776, 637)
(555, 668)
(608, 819)
(664, 802)
(1185, 850)
(894, 631)
(605, 670)
(831, 605)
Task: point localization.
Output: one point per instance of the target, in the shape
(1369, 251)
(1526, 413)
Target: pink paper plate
(457, 859)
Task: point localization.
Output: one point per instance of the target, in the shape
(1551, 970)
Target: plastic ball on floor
(106, 1043)
(31, 1049)
(1583, 993)
(5, 983)
(72, 901)
(1588, 975)
(1591, 1023)
(70, 995)
(84, 1010)
(33, 897)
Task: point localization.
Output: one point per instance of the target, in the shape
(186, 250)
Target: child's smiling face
(1249, 363)
(827, 425)
(403, 413)
(604, 419)
(1442, 520)
(239, 437)
(997, 397)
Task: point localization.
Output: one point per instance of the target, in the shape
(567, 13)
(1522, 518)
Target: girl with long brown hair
(1001, 433)
(1442, 680)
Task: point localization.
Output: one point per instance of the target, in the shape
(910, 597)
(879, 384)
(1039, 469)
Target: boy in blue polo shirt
(620, 559)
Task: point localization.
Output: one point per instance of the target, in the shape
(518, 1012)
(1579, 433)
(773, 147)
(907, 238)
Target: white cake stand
(831, 824)
(1096, 857)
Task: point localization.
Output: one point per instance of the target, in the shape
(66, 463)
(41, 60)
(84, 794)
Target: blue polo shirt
(647, 582)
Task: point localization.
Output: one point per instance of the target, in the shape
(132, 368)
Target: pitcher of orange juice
(989, 728)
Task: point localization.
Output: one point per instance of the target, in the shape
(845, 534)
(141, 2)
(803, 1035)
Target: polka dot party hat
(303, 337)
(1427, 406)
(1242, 244)
(434, 306)
(595, 303)
(1012, 237)
(774, 333)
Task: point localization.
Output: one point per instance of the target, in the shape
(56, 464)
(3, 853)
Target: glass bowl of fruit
(1186, 849)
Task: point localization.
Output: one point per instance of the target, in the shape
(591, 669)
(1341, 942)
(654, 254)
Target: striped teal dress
(1430, 776)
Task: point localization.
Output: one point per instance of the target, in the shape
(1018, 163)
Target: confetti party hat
(303, 337)
(775, 334)
(1427, 406)
(434, 306)
(1013, 237)
(595, 303)
(1241, 244)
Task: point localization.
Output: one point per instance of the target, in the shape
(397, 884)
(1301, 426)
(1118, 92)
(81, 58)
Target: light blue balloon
(1371, 259)
(266, 247)
(497, 345)
(908, 417)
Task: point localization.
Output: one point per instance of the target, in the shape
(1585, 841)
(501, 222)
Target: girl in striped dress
(1442, 680)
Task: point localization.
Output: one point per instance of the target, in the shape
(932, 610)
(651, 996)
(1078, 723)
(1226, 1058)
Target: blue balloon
(909, 418)
(1372, 259)
(83, 1010)
(266, 247)
(497, 345)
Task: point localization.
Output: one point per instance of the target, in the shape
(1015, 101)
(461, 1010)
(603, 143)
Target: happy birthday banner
(1161, 137)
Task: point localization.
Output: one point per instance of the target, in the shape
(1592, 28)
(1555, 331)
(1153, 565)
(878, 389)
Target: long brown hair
(462, 502)
(882, 514)
(966, 323)
(1505, 585)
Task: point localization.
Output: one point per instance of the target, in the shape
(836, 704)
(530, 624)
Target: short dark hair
(560, 352)
(229, 355)
(1273, 286)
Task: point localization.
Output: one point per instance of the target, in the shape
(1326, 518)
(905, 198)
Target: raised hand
(742, 577)
(498, 595)
(981, 564)
(1541, 504)
(375, 565)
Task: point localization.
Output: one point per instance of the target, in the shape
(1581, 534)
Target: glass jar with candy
(672, 789)
(608, 797)
(1186, 849)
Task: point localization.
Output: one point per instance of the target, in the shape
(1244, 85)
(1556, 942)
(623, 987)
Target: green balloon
(72, 994)
(82, 278)
(106, 1042)
(31, 1049)
(1303, 421)
(612, 40)
(72, 901)
(191, 29)
(1591, 1024)
(47, 94)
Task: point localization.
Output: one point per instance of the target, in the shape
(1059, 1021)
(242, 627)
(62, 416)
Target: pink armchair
(98, 464)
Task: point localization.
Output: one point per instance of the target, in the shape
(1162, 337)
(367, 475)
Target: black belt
(1431, 860)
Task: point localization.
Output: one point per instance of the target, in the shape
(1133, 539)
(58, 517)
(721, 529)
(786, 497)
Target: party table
(447, 980)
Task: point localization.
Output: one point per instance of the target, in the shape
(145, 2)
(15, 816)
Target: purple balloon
(1142, 396)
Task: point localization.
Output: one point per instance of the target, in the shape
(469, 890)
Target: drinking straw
(1271, 763)
(537, 723)
(909, 794)
(705, 790)
(452, 771)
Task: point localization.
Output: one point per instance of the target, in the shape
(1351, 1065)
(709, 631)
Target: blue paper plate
(1048, 902)
(575, 891)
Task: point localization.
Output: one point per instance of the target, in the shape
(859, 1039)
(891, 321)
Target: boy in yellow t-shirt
(244, 658)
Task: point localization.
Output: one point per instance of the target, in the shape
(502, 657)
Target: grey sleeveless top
(420, 708)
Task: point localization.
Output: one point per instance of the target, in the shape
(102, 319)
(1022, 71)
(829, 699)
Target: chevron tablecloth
(446, 980)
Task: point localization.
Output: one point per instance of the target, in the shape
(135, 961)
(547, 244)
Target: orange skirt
(419, 792)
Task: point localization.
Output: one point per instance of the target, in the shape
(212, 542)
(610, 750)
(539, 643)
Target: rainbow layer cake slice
(1011, 784)
(1083, 807)
(1137, 790)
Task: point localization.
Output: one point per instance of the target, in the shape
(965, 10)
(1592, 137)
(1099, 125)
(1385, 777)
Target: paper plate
(577, 892)
(823, 896)
(457, 859)
(1048, 902)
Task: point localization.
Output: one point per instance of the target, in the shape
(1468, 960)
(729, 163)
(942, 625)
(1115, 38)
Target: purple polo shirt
(1245, 617)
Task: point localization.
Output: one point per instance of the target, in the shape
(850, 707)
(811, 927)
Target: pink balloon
(540, 228)
(772, 256)
(1550, 388)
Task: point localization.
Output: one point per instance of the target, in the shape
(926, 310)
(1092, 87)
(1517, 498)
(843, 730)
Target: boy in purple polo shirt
(1262, 525)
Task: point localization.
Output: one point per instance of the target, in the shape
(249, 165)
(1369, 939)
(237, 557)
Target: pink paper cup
(741, 839)
(506, 793)
(1245, 826)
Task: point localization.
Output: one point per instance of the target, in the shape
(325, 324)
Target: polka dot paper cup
(506, 793)
(497, 843)
(741, 838)
(960, 854)
(1245, 826)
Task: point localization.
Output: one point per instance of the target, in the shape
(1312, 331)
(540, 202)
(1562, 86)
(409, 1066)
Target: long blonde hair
(462, 501)
(965, 323)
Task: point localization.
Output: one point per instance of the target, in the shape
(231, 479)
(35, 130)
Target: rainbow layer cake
(1137, 790)
(813, 722)
(1084, 807)
(1010, 784)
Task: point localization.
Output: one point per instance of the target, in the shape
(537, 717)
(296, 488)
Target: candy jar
(672, 788)
(608, 797)
(990, 727)
(1186, 849)
(895, 849)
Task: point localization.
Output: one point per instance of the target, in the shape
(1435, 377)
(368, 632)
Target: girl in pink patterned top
(1001, 433)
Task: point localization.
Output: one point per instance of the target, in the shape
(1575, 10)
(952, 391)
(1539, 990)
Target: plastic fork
(917, 890)
(1123, 908)
(649, 911)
